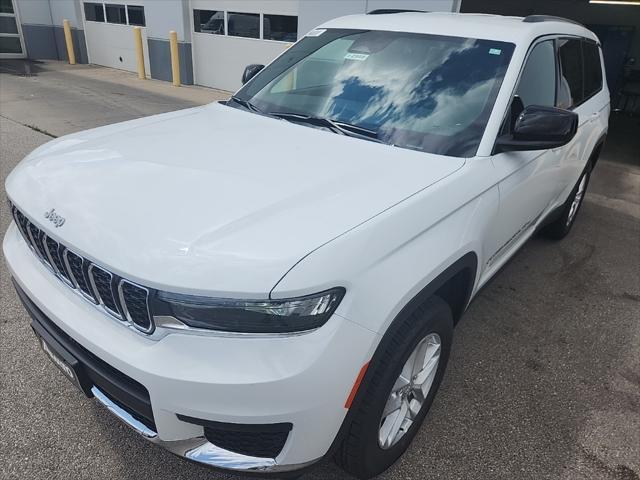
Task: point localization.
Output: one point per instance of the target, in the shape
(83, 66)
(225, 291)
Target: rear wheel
(560, 227)
(404, 377)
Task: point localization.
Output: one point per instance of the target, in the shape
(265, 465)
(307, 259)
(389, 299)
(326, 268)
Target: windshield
(424, 92)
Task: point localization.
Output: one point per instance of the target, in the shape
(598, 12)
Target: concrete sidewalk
(56, 98)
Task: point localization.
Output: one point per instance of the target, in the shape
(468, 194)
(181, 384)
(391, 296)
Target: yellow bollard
(137, 36)
(69, 40)
(175, 59)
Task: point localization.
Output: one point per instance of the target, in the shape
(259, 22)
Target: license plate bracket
(69, 365)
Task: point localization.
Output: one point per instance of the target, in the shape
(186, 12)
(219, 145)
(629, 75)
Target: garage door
(228, 36)
(109, 34)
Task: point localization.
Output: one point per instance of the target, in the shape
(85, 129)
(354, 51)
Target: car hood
(213, 200)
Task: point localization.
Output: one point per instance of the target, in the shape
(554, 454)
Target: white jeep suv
(259, 284)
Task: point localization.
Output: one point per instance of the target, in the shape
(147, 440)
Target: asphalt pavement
(543, 381)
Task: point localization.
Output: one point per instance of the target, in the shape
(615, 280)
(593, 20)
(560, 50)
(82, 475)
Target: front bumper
(302, 380)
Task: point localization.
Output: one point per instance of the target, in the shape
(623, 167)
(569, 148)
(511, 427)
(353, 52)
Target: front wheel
(560, 227)
(404, 377)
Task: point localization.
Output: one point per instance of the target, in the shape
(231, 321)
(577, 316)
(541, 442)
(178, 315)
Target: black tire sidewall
(436, 318)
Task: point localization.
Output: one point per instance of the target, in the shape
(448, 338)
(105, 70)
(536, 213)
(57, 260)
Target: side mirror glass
(251, 71)
(540, 128)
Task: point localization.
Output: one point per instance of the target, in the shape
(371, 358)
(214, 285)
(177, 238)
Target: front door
(529, 179)
(11, 42)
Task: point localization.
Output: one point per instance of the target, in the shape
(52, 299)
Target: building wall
(314, 12)
(42, 28)
(162, 17)
(219, 60)
(207, 59)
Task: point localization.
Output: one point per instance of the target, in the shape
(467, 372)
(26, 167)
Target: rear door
(580, 90)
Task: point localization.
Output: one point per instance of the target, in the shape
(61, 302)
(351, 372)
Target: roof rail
(384, 11)
(549, 18)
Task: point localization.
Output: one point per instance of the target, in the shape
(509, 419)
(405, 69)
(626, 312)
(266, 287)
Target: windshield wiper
(335, 126)
(246, 104)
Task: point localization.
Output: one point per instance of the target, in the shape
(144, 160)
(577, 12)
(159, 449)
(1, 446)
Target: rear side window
(592, 69)
(571, 88)
(538, 80)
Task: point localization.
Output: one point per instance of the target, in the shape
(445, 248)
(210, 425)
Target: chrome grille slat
(55, 258)
(101, 282)
(136, 307)
(120, 298)
(75, 263)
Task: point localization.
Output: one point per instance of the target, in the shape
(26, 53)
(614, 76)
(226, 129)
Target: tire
(560, 228)
(361, 452)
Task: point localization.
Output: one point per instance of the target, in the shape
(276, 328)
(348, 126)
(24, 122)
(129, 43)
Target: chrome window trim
(123, 303)
(97, 293)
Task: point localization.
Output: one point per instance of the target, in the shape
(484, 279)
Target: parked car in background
(264, 283)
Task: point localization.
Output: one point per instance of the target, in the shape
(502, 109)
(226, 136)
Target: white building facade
(216, 38)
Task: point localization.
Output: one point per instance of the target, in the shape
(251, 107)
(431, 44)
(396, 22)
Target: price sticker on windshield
(360, 57)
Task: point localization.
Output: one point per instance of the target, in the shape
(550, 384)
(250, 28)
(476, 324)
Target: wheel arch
(454, 285)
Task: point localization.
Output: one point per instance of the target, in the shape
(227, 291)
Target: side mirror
(250, 72)
(540, 128)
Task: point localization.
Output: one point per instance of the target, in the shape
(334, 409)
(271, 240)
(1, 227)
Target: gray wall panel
(46, 42)
(160, 61)
(40, 42)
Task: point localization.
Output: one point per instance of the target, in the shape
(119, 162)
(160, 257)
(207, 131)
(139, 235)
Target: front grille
(136, 307)
(77, 267)
(102, 282)
(120, 298)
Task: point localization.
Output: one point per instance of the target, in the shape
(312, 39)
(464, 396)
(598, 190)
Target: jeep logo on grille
(54, 218)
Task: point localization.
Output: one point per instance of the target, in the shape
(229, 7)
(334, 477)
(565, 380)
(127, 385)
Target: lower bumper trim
(198, 449)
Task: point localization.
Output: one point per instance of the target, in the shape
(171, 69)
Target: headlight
(250, 316)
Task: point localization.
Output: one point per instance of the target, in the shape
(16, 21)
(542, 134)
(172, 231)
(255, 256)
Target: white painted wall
(315, 12)
(34, 12)
(165, 15)
(43, 12)
(67, 9)
(108, 43)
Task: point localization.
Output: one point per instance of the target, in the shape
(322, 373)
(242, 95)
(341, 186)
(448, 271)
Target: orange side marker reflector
(356, 386)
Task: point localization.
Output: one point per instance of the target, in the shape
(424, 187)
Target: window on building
(136, 15)
(6, 6)
(538, 81)
(209, 21)
(8, 25)
(10, 45)
(116, 13)
(280, 27)
(570, 92)
(245, 25)
(93, 12)
(592, 69)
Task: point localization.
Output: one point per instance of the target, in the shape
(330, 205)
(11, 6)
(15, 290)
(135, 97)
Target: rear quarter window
(592, 69)
(571, 88)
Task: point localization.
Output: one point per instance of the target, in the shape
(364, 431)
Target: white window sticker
(495, 51)
(356, 56)
(316, 32)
